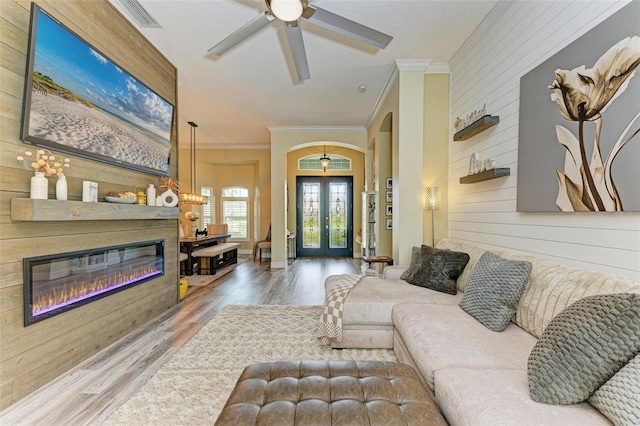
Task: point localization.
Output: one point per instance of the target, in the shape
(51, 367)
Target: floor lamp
(433, 204)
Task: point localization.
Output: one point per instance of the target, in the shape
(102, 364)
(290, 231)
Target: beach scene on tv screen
(82, 100)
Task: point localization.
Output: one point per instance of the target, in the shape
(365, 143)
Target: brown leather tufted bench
(329, 393)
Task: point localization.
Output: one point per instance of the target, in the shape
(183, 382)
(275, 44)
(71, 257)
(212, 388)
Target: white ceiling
(235, 97)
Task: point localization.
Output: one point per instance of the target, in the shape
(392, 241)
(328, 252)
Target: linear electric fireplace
(57, 283)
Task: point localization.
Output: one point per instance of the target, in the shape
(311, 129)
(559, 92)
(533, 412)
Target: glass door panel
(324, 212)
(337, 215)
(311, 215)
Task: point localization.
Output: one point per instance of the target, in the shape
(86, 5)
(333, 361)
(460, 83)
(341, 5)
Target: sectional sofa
(480, 376)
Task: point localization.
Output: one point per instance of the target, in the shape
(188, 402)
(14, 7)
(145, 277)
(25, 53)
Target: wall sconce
(192, 197)
(324, 160)
(432, 203)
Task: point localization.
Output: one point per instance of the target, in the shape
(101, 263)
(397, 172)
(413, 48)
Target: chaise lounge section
(480, 376)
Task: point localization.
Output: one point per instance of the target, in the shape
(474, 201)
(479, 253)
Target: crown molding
(227, 146)
(413, 64)
(438, 68)
(388, 84)
(316, 129)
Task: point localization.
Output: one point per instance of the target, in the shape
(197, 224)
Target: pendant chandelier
(324, 160)
(193, 197)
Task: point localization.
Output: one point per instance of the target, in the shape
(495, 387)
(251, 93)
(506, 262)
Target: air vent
(139, 14)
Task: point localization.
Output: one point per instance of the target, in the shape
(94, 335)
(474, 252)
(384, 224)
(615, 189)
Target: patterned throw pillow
(415, 253)
(619, 397)
(583, 347)
(437, 269)
(493, 290)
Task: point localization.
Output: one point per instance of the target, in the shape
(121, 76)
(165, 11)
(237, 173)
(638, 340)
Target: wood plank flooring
(90, 392)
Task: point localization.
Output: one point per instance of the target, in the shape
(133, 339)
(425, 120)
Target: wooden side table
(370, 260)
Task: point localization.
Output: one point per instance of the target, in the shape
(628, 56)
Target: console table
(187, 245)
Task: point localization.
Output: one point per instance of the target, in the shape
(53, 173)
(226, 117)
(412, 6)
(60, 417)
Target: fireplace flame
(86, 286)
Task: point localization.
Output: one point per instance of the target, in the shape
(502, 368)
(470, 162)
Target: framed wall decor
(389, 224)
(389, 196)
(79, 101)
(580, 111)
(389, 183)
(389, 210)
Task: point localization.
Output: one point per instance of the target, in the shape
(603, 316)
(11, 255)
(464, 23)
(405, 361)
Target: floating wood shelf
(27, 209)
(486, 175)
(476, 127)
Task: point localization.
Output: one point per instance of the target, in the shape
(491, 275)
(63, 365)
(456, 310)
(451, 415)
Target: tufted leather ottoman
(329, 393)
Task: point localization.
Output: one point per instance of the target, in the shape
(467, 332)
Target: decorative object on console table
(89, 191)
(433, 204)
(486, 175)
(61, 188)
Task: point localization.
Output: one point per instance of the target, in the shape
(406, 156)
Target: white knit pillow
(619, 397)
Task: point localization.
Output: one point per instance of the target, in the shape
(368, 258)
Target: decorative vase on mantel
(169, 198)
(61, 188)
(39, 186)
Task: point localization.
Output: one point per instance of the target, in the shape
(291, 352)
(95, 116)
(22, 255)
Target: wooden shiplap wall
(513, 39)
(32, 356)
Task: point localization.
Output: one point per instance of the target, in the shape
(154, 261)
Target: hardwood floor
(90, 392)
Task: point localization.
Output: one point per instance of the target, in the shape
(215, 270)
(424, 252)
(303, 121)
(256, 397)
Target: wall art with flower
(579, 128)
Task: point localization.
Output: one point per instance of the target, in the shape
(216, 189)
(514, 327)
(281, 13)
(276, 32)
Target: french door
(324, 212)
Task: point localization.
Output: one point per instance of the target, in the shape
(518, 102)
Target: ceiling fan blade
(242, 33)
(296, 45)
(345, 26)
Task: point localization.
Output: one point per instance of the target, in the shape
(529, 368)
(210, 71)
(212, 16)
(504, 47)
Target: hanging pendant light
(324, 160)
(192, 197)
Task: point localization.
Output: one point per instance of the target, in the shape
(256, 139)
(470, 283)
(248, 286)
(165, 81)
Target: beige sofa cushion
(481, 397)
(444, 336)
(371, 301)
(553, 287)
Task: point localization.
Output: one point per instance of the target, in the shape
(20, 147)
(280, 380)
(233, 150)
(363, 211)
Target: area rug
(193, 386)
(203, 280)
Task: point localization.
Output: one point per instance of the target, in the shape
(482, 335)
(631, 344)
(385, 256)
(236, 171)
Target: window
(313, 163)
(209, 209)
(235, 211)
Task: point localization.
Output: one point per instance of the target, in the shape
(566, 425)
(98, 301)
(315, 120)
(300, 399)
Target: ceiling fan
(290, 12)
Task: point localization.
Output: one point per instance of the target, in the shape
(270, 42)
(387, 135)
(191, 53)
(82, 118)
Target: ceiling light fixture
(362, 88)
(192, 197)
(324, 160)
(286, 10)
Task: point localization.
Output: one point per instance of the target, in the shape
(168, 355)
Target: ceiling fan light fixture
(286, 10)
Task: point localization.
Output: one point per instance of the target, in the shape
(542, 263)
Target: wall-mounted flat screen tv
(80, 102)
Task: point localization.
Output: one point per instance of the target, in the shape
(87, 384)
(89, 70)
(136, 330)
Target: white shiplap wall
(514, 38)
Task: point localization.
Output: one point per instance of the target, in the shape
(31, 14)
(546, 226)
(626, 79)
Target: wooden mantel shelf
(486, 175)
(27, 209)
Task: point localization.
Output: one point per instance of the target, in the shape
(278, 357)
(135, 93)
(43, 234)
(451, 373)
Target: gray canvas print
(579, 134)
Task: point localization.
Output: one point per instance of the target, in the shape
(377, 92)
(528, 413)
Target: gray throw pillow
(438, 269)
(583, 347)
(619, 397)
(415, 253)
(494, 288)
